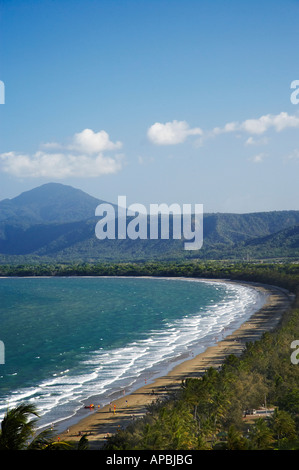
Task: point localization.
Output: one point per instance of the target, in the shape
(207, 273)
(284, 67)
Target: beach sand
(107, 420)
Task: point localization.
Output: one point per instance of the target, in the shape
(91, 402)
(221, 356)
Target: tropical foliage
(18, 432)
(207, 412)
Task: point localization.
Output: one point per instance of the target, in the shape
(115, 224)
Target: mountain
(50, 203)
(280, 244)
(56, 222)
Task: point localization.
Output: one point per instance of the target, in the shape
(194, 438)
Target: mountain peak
(50, 190)
(50, 203)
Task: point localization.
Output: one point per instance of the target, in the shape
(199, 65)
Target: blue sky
(164, 101)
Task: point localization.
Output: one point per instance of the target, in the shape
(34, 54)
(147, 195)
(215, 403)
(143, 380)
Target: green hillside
(55, 222)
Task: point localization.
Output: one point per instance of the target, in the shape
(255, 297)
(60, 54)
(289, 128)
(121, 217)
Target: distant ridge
(56, 222)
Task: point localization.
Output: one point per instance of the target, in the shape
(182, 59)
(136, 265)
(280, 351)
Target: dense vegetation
(56, 223)
(208, 412)
(283, 274)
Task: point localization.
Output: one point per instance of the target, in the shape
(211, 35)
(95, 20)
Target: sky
(162, 101)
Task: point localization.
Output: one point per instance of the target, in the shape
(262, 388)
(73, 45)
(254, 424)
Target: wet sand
(122, 411)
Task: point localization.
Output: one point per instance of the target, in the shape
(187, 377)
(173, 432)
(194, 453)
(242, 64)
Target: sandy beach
(101, 422)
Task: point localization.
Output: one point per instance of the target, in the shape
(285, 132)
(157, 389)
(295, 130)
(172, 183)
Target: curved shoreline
(106, 421)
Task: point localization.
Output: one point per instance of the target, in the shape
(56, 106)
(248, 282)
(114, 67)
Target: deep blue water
(68, 339)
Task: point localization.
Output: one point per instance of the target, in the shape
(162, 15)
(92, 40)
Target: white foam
(106, 371)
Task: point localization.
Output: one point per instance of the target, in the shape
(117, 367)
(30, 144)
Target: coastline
(107, 420)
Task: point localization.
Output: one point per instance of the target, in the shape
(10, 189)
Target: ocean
(72, 341)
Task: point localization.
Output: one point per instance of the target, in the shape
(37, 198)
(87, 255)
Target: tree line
(208, 412)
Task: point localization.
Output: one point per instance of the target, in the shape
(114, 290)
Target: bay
(69, 339)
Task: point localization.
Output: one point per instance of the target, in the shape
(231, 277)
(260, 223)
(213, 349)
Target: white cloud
(58, 165)
(260, 125)
(91, 142)
(252, 141)
(229, 127)
(83, 158)
(258, 158)
(171, 133)
(176, 132)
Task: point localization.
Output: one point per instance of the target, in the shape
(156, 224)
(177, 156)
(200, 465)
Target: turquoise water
(69, 339)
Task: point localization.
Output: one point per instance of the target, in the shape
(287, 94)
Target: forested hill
(57, 222)
(49, 203)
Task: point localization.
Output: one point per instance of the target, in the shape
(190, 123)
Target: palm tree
(283, 425)
(261, 435)
(235, 440)
(17, 430)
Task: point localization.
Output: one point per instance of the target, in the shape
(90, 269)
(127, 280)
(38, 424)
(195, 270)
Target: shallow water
(68, 339)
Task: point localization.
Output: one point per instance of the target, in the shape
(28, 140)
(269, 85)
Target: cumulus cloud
(58, 165)
(176, 132)
(260, 125)
(171, 133)
(91, 142)
(83, 157)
